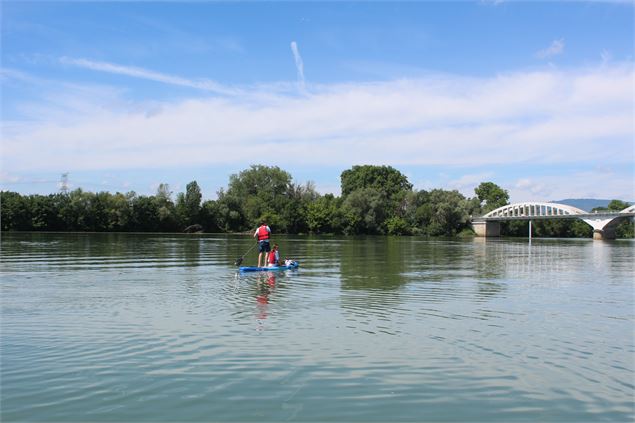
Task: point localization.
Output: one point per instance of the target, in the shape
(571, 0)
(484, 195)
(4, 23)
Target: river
(161, 327)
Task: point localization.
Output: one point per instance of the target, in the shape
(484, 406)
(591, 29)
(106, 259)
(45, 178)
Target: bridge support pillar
(604, 234)
(487, 229)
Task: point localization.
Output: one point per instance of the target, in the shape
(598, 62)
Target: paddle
(240, 259)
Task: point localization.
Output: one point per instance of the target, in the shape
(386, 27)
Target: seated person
(274, 257)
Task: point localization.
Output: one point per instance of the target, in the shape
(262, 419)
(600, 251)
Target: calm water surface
(113, 327)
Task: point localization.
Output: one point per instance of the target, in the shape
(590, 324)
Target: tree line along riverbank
(374, 200)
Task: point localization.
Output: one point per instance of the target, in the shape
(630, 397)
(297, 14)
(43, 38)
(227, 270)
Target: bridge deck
(602, 215)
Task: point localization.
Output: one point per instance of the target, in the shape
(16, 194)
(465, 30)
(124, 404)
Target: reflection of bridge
(603, 223)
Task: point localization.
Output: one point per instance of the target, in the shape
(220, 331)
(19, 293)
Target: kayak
(294, 265)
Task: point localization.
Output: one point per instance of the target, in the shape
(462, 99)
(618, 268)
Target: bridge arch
(630, 209)
(603, 223)
(534, 209)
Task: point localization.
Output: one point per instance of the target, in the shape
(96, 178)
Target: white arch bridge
(603, 223)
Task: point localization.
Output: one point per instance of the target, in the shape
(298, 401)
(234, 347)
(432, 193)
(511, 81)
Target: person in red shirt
(274, 257)
(262, 234)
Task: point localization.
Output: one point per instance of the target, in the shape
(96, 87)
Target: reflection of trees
(373, 263)
(192, 251)
(107, 250)
(489, 262)
(371, 274)
(439, 260)
(380, 265)
(440, 267)
(324, 252)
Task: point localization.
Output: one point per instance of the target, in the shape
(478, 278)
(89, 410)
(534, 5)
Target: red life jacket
(263, 233)
(272, 257)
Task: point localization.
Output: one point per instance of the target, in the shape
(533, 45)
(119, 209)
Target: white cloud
(556, 48)
(299, 64)
(466, 183)
(585, 184)
(532, 187)
(526, 118)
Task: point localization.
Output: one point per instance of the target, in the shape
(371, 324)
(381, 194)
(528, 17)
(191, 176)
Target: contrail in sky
(135, 72)
(299, 65)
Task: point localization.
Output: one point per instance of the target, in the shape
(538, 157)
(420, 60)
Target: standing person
(262, 234)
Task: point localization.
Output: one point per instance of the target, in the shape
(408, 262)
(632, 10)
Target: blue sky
(534, 96)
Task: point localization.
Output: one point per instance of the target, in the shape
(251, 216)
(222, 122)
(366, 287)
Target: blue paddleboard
(268, 269)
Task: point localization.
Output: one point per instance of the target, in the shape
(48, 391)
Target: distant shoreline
(457, 236)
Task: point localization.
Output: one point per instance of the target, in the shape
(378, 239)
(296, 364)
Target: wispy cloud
(135, 72)
(556, 48)
(299, 64)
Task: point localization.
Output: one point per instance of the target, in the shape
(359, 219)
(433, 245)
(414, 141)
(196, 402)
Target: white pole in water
(530, 230)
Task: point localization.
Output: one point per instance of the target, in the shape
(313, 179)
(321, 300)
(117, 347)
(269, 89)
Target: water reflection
(265, 285)
(74, 251)
(540, 259)
(488, 265)
(192, 251)
(439, 260)
(390, 329)
(374, 263)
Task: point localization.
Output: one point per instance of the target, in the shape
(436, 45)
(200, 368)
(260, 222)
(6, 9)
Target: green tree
(365, 212)
(43, 213)
(443, 213)
(73, 210)
(262, 192)
(188, 205)
(163, 194)
(14, 212)
(388, 191)
(411, 209)
(324, 215)
(98, 210)
(551, 228)
(168, 220)
(145, 214)
(295, 211)
(384, 179)
(617, 205)
(625, 228)
(493, 196)
(581, 229)
(120, 212)
(209, 216)
(398, 226)
(230, 217)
